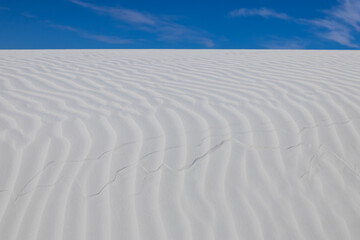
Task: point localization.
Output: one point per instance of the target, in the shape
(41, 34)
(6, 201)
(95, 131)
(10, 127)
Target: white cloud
(118, 13)
(99, 38)
(349, 12)
(163, 27)
(263, 12)
(177, 32)
(106, 39)
(339, 24)
(335, 31)
(283, 43)
(28, 15)
(63, 27)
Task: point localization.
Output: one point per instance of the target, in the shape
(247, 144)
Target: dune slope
(179, 144)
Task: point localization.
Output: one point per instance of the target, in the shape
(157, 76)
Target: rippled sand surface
(179, 144)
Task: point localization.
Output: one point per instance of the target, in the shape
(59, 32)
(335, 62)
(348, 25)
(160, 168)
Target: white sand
(173, 144)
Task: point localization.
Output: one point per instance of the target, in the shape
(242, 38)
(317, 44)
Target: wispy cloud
(63, 27)
(283, 43)
(333, 30)
(106, 39)
(118, 13)
(28, 15)
(164, 28)
(80, 32)
(99, 38)
(4, 8)
(263, 12)
(339, 24)
(349, 12)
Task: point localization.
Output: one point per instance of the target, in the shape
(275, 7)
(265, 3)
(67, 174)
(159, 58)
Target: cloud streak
(349, 12)
(339, 24)
(263, 12)
(106, 39)
(163, 28)
(99, 38)
(281, 43)
(118, 13)
(335, 31)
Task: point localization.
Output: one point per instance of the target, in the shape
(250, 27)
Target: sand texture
(179, 144)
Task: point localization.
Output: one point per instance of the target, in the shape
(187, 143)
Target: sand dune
(179, 144)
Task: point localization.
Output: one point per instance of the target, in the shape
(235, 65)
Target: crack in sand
(19, 195)
(214, 148)
(321, 151)
(110, 182)
(317, 125)
(186, 167)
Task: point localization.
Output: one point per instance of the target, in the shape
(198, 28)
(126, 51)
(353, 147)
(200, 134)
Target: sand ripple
(166, 144)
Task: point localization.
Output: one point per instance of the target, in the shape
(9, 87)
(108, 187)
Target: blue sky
(248, 24)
